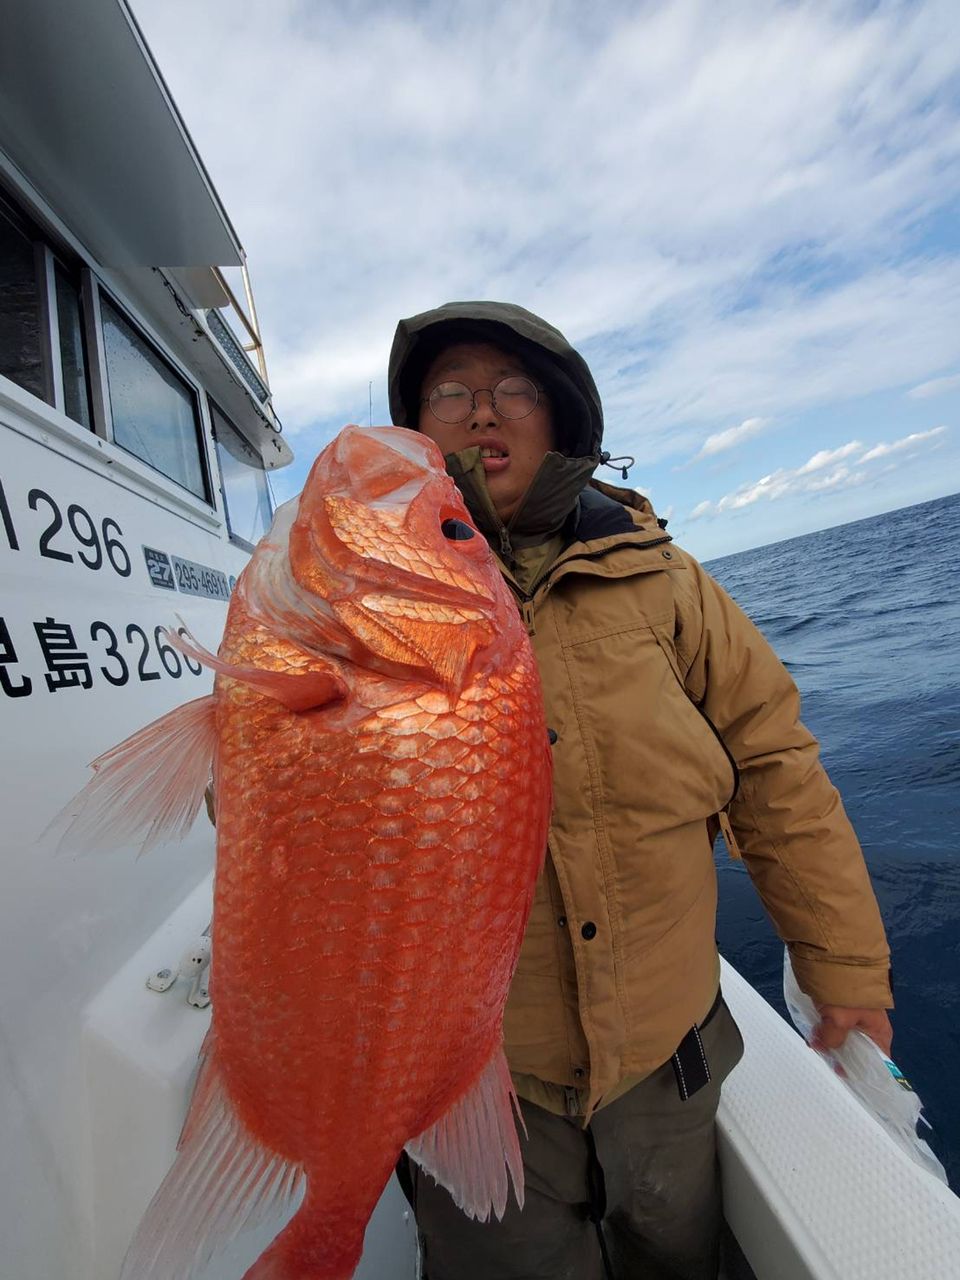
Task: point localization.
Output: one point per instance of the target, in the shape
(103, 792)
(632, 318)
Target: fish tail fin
(148, 788)
(315, 1245)
(221, 1183)
(474, 1146)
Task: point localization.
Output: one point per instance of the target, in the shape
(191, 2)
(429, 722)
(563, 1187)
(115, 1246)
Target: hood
(575, 400)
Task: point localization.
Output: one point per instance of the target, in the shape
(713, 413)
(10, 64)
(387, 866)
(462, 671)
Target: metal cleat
(199, 995)
(162, 980)
(194, 968)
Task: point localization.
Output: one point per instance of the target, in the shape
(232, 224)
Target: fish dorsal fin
(148, 788)
(221, 1183)
(300, 691)
(472, 1148)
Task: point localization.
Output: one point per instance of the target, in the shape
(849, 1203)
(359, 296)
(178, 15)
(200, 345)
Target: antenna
(370, 394)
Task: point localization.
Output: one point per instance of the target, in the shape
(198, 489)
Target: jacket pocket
(655, 762)
(670, 653)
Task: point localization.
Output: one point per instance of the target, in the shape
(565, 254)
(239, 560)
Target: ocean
(866, 617)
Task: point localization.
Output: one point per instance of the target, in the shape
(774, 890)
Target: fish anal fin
(297, 691)
(221, 1183)
(148, 788)
(473, 1148)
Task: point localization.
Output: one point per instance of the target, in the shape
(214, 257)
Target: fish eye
(456, 530)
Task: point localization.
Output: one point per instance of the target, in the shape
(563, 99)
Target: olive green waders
(634, 1196)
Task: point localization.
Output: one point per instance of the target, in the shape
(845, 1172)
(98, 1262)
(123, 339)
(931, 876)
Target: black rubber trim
(600, 517)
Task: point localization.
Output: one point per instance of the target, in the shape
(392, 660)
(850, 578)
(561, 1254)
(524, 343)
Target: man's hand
(836, 1020)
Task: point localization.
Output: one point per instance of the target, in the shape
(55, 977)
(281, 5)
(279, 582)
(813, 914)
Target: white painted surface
(80, 104)
(95, 1070)
(140, 1050)
(813, 1186)
(66, 923)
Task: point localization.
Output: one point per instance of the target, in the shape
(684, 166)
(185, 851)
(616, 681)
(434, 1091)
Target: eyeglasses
(513, 397)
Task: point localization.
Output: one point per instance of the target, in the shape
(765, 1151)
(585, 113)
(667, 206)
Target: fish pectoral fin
(474, 1146)
(222, 1182)
(297, 691)
(148, 788)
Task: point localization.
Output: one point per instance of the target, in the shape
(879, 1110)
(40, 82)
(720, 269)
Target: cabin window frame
(75, 275)
(102, 422)
(214, 408)
(99, 290)
(49, 320)
(48, 254)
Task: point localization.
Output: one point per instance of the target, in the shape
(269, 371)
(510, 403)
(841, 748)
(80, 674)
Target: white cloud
(898, 446)
(720, 441)
(772, 486)
(839, 478)
(790, 352)
(828, 456)
(935, 387)
(809, 477)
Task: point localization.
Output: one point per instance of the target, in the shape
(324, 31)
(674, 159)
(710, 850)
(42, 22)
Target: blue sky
(745, 215)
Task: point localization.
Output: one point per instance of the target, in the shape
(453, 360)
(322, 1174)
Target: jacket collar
(547, 507)
(602, 526)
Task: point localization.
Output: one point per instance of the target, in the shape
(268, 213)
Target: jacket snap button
(589, 930)
(667, 555)
(562, 921)
(578, 1073)
(551, 736)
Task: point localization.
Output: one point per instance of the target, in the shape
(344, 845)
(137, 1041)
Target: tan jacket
(655, 682)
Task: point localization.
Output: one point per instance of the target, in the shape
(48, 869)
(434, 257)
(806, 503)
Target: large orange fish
(382, 793)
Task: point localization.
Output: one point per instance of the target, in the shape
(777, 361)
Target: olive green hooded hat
(574, 403)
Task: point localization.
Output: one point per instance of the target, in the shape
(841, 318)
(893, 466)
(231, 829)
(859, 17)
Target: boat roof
(85, 111)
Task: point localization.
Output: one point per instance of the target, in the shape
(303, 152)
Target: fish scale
(476, 898)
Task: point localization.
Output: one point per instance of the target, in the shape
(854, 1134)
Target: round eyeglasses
(513, 397)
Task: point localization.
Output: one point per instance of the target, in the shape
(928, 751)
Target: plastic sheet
(875, 1081)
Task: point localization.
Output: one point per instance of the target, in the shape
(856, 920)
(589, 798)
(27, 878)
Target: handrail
(250, 323)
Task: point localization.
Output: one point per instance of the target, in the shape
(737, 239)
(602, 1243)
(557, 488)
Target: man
(670, 718)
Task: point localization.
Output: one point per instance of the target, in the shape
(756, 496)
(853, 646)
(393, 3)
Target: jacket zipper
(729, 839)
(727, 752)
(526, 612)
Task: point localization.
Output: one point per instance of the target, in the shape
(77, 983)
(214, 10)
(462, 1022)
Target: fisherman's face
(512, 448)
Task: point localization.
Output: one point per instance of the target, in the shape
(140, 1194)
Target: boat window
(154, 410)
(73, 356)
(41, 316)
(21, 315)
(246, 494)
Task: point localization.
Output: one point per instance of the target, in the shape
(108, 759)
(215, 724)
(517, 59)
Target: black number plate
(159, 568)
